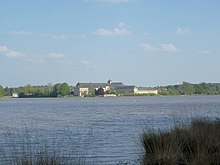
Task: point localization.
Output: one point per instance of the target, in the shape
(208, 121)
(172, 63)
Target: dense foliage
(49, 90)
(191, 89)
(61, 89)
(2, 92)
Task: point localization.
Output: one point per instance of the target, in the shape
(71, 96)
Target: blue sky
(140, 42)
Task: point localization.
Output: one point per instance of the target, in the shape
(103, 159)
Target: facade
(79, 91)
(85, 89)
(14, 95)
(144, 90)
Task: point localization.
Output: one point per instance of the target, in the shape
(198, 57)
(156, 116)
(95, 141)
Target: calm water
(108, 129)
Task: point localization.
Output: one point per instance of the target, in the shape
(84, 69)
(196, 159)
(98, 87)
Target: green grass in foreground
(196, 144)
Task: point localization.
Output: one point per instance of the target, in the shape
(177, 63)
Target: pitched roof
(91, 85)
(146, 88)
(126, 87)
(96, 85)
(116, 84)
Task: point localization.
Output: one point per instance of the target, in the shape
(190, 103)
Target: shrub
(198, 143)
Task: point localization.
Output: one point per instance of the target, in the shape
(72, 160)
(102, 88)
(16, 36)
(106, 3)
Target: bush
(198, 143)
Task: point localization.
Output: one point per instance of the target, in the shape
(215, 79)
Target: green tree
(188, 89)
(2, 92)
(61, 89)
(48, 89)
(201, 88)
(169, 91)
(64, 89)
(56, 90)
(8, 91)
(91, 92)
(28, 89)
(21, 95)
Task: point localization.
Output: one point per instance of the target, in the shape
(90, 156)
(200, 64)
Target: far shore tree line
(49, 90)
(191, 89)
(64, 89)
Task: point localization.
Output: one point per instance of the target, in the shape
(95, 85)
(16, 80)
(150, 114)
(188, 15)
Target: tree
(56, 90)
(28, 89)
(21, 95)
(2, 92)
(188, 89)
(169, 91)
(201, 88)
(47, 90)
(61, 89)
(8, 91)
(64, 89)
(91, 92)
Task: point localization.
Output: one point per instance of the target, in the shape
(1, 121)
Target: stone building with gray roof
(83, 89)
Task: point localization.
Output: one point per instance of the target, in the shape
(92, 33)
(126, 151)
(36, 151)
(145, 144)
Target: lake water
(104, 130)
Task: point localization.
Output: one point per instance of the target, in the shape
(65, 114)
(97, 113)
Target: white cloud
(10, 53)
(121, 30)
(148, 47)
(53, 57)
(182, 31)
(63, 36)
(56, 55)
(168, 48)
(36, 60)
(3, 49)
(108, 1)
(114, 32)
(122, 25)
(22, 32)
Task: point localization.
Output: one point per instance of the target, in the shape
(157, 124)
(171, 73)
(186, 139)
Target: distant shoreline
(75, 97)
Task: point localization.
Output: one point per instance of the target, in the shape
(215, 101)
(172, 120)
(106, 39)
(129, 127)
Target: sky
(137, 42)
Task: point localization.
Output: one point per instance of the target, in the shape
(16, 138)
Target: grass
(26, 147)
(195, 144)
